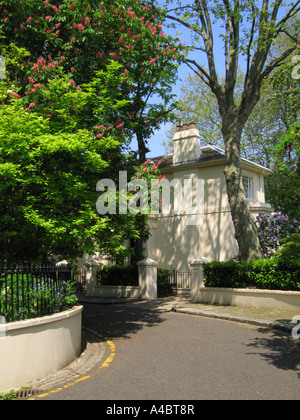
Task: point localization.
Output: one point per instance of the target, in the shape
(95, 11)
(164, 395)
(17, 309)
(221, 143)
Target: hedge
(271, 273)
(118, 275)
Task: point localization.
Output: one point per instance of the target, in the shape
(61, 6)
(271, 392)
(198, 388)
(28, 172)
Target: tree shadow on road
(278, 348)
(121, 320)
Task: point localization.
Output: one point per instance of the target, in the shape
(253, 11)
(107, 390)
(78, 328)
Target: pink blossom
(32, 104)
(99, 136)
(72, 83)
(15, 95)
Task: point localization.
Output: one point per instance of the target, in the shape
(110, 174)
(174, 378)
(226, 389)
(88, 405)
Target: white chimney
(186, 144)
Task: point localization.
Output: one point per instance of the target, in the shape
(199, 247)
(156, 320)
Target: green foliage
(118, 275)
(88, 36)
(290, 247)
(27, 296)
(47, 187)
(11, 395)
(272, 273)
(85, 74)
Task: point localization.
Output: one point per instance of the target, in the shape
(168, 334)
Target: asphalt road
(165, 356)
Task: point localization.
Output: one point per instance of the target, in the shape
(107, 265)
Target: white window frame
(248, 187)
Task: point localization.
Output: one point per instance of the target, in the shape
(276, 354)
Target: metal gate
(169, 281)
(166, 282)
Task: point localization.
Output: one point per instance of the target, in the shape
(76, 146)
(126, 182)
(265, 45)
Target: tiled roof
(208, 154)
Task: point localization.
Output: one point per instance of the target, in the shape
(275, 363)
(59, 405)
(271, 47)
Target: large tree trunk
(244, 224)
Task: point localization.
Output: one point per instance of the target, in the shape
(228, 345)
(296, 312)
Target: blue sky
(155, 146)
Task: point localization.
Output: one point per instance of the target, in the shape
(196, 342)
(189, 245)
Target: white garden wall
(34, 348)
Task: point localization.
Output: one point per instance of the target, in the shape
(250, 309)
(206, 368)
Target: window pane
(247, 182)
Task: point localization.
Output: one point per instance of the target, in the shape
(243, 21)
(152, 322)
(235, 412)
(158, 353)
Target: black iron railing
(34, 291)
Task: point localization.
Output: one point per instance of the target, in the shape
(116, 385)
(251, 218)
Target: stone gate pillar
(148, 278)
(197, 276)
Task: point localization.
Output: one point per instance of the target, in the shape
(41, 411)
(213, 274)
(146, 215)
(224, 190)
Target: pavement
(270, 318)
(96, 350)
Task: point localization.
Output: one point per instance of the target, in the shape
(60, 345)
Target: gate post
(197, 276)
(148, 278)
(90, 279)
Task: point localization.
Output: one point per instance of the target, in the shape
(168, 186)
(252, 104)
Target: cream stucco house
(205, 228)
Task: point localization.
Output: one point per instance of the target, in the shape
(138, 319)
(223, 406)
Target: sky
(155, 142)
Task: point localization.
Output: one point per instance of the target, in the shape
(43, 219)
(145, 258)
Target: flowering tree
(272, 229)
(87, 35)
(86, 83)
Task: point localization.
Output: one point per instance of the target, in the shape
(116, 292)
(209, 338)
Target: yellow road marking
(106, 364)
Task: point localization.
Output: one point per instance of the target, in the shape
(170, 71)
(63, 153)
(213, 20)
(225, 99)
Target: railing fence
(32, 291)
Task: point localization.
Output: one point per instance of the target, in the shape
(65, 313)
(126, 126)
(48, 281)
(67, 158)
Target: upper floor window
(247, 182)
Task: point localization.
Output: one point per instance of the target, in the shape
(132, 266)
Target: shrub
(272, 229)
(118, 275)
(271, 273)
(290, 247)
(28, 295)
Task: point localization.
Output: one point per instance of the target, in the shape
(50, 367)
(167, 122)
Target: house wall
(173, 243)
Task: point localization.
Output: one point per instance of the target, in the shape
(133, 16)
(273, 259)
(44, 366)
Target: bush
(271, 273)
(27, 295)
(118, 275)
(290, 247)
(272, 229)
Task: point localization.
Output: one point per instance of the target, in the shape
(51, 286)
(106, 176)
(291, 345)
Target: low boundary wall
(269, 299)
(34, 348)
(260, 298)
(115, 292)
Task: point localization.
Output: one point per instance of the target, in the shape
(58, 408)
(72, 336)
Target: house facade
(198, 222)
